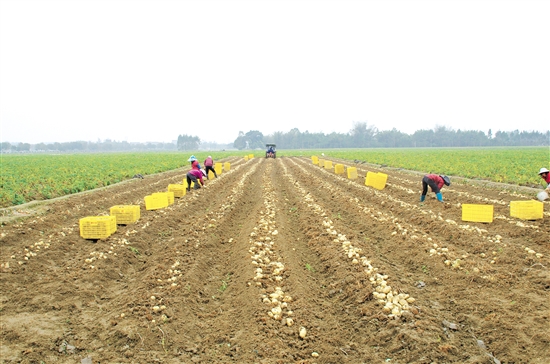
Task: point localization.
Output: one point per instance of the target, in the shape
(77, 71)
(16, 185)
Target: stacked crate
(125, 214)
(169, 196)
(179, 190)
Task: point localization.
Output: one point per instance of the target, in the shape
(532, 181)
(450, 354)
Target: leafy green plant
(225, 283)
(164, 234)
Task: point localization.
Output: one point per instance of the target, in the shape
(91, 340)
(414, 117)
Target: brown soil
(181, 285)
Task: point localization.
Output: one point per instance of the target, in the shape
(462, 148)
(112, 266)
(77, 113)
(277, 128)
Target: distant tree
(188, 142)
(442, 136)
(393, 139)
(361, 135)
(251, 140)
(76, 146)
(240, 142)
(255, 139)
(336, 140)
(423, 138)
(23, 147)
(5, 147)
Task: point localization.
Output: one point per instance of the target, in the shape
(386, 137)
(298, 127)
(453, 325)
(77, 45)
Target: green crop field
(31, 177)
(518, 166)
(26, 178)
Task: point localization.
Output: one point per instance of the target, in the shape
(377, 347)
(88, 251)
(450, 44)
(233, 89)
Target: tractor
(270, 151)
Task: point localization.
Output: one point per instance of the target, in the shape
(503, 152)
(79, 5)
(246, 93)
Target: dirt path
(278, 261)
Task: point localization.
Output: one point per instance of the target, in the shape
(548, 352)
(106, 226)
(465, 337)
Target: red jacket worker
(435, 182)
(195, 176)
(209, 166)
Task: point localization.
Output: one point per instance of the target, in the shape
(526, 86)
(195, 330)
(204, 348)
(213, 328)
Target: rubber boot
(439, 197)
(422, 198)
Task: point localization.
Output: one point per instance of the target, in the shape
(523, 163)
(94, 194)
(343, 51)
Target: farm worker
(545, 175)
(194, 175)
(209, 166)
(435, 182)
(194, 162)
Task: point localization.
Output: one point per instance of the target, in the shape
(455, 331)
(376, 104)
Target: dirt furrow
(232, 273)
(488, 296)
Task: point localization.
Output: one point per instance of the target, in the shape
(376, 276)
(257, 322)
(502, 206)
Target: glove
(439, 197)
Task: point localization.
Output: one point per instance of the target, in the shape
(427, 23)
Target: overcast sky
(151, 70)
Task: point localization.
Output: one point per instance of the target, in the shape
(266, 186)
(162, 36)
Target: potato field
(279, 261)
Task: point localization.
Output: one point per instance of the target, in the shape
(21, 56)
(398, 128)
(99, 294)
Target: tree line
(360, 136)
(85, 147)
(363, 136)
(183, 142)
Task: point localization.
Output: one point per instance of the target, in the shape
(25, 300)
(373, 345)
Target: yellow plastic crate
(97, 227)
(352, 172)
(339, 168)
(376, 180)
(154, 202)
(250, 156)
(315, 159)
(381, 181)
(246, 158)
(526, 210)
(168, 195)
(125, 214)
(218, 167)
(328, 165)
(226, 167)
(211, 175)
(321, 163)
(477, 213)
(371, 177)
(179, 190)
